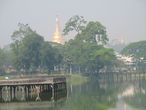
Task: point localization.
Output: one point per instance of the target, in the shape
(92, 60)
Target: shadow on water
(46, 102)
(130, 91)
(106, 93)
(100, 93)
(90, 96)
(46, 98)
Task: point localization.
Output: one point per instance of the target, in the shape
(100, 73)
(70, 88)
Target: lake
(97, 94)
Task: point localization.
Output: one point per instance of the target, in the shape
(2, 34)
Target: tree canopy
(75, 23)
(31, 51)
(85, 53)
(2, 60)
(136, 49)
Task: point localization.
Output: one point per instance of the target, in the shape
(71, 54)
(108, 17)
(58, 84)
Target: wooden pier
(35, 88)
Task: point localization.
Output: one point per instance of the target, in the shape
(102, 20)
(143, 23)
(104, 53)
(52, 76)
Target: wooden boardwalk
(31, 88)
(33, 80)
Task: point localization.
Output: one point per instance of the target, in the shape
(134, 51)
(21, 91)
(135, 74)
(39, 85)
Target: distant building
(57, 36)
(126, 59)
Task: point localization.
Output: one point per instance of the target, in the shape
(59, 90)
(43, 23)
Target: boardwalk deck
(31, 88)
(33, 80)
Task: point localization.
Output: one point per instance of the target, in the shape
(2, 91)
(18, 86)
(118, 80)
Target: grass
(2, 77)
(77, 79)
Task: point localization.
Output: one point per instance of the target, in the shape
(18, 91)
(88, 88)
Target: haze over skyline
(124, 19)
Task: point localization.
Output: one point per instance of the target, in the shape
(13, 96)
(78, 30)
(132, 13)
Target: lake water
(97, 94)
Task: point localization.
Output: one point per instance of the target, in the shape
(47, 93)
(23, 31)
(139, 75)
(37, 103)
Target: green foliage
(2, 57)
(77, 79)
(2, 60)
(105, 53)
(86, 50)
(26, 45)
(95, 32)
(75, 23)
(50, 56)
(137, 49)
(84, 53)
(32, 52)
(6, 57)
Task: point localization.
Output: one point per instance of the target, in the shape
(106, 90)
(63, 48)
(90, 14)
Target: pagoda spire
(57, 36)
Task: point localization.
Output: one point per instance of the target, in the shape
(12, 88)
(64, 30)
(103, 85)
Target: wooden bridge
(31, 88)
(33, 80)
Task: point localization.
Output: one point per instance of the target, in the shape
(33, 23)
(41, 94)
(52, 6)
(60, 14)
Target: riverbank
(2, 77)
(77, 79)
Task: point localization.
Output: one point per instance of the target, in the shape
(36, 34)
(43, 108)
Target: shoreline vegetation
(30, 52)
(77, 79)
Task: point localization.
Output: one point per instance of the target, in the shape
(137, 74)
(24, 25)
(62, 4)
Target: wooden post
(11, 93)
(52, 86)
(38, 93)
(0, 93)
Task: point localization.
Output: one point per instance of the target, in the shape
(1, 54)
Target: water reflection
(46, 103)
(130, 94)
(138, 98)
(107, 94)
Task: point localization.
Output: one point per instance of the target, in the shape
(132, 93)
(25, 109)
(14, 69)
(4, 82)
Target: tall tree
(26, 45)
(86, 51)
(48, 57)
(16, 45)
(31, 51)
(75, 23)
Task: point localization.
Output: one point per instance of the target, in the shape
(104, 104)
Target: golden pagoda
(57, 36)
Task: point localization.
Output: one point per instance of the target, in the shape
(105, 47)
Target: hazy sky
(124, 19)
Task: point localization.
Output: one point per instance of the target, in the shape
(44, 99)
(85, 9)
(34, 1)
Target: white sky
(124, 19)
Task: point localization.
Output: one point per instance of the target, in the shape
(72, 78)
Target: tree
(136, 49)
(95, 32)
(9, 56)
(102, 57)
(75, 23)
(50, 57)
(30, 55)
(26, 46)
(2, 60)
(85, 52)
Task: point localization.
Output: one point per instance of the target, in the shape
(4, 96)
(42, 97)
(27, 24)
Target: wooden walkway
(34, 88)
(33, 80)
